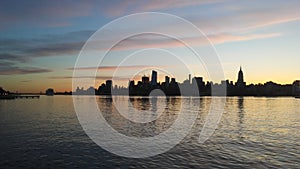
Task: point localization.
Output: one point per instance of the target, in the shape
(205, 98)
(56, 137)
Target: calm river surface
(253, 133)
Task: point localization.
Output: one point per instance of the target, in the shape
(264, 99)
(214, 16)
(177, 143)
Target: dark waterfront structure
(195, 86)
(296, 88)
(6, 95)
(144, 87)
(3, 92)
(50, 92)
(104, 89)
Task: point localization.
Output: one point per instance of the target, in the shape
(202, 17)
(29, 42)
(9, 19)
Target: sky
(41, 41)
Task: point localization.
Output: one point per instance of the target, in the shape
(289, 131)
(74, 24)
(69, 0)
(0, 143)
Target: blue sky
(40, 40)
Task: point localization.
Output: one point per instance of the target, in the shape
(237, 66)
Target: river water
(252, 133)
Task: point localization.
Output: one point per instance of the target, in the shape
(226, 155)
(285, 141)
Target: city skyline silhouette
(170, 87)
(193, 86)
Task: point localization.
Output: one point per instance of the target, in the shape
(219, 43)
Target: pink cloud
(102, 78)
(170, 4)
(163, 42)
(112, 68)
(223, 38)
(134, 6)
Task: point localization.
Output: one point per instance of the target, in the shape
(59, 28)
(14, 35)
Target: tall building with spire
(240, 82)
(240, 85)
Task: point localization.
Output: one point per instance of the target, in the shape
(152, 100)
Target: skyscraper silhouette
(240, 82)
(154, 78)
(167, 80)
(145, 79)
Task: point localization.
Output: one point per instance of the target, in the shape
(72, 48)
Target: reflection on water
(240, 115)
(253, 133)
(140, 107)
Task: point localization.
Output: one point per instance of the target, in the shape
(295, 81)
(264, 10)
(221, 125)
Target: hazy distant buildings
(90, 91)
